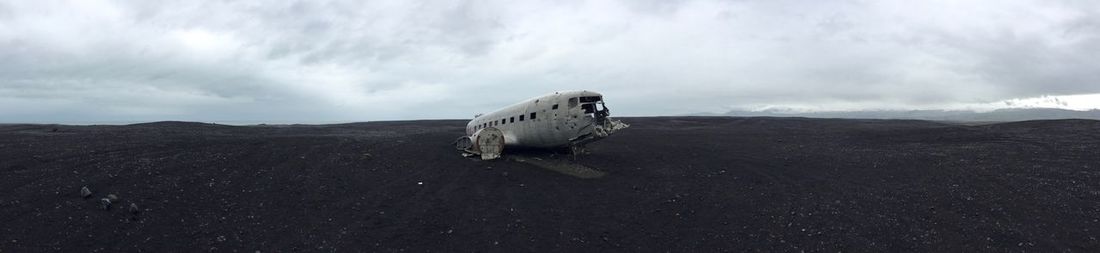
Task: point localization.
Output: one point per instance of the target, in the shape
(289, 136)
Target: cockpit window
(572, 102)
(589, 108)
(590, 99)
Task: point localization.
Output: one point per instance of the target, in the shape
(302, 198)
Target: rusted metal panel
(489, 143)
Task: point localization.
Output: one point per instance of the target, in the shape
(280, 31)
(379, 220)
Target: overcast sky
(327, 61)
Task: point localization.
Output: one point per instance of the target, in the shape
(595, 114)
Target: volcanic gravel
(672, 184)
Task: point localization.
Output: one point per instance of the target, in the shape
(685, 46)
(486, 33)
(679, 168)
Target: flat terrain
(687, 184)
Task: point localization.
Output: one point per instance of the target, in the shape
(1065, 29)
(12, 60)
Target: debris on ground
(134, 209)
(85, 192)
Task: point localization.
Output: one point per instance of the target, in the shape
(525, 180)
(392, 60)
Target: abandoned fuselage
(562, 119)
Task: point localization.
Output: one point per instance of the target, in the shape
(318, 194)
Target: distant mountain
(1016, 114)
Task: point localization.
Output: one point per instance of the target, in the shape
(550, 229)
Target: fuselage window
(555, 107)
(532, 115)
(513, 119)
(520, 117)
(503, 121)
(589, 108)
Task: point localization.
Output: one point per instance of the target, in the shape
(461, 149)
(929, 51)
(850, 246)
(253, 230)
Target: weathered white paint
(566, 126)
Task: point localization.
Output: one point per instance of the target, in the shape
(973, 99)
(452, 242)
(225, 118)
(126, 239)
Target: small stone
(84, 192)
(112, 197)
(134, 209)
(105, 203)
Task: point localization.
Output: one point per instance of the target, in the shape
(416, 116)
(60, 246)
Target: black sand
(672, 184)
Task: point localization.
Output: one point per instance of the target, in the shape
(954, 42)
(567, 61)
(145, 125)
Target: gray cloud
(309, 61)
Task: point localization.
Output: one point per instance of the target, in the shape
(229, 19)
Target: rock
(112, 197)
(84, 192)
(105, 203)
(134, 209)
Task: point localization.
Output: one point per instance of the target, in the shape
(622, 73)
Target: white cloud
(207, 44)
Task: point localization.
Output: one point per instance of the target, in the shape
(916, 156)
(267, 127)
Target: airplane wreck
(564, 119)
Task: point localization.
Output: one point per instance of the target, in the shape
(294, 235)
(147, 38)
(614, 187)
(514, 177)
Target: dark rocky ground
(672, 184)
